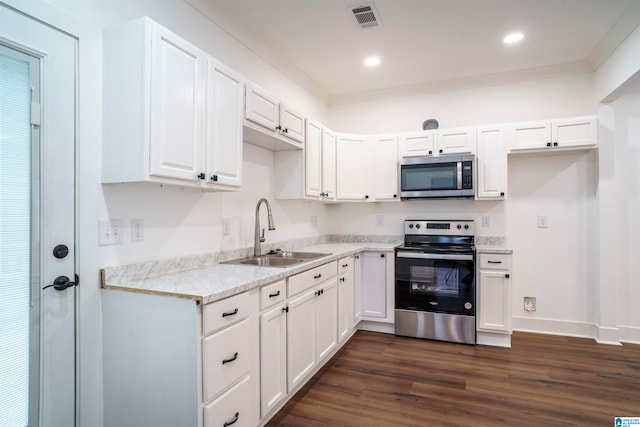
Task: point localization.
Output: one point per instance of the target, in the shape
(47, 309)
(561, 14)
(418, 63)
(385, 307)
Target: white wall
(627, 208)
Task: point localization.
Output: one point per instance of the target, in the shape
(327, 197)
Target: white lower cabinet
(494, 299)
(273, 358)
(346, 298)
(326, 319)
(374, 285)
(301, 341)
(170, 362)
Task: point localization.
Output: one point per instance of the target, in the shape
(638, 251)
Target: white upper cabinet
(351, 169)
(328, 165)
(456, 141)
(177, 106)
(385, 168)
(172, 114)
(417, 144)
(280, 126)
(224, 126)
(580, 132)
(313, 159)
(438, 142)
(491, 164)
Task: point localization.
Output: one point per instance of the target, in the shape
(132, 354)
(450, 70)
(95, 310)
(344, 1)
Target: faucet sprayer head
(271, 223)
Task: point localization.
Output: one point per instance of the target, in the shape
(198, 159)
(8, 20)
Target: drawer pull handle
(233, 313)
(494, 262)
(234, 357)
(317, 276)
(277, 294)
(233, 421)
(345, 265)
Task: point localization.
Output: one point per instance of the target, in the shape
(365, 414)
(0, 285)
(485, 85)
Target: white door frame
(58, 58)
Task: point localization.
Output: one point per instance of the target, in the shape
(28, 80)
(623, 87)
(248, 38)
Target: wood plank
(383, 380)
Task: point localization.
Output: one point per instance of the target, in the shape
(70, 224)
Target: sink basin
(278, 259)
(271, 261)
(302, 255)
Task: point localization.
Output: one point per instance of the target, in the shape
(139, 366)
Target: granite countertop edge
(489, 249)
(209, 284)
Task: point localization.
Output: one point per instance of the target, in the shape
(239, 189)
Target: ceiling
(423, 43)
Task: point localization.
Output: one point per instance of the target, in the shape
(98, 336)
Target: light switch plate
(379, 220)
(111, 232)
(486, 221)
(543, 221)
(137, 230)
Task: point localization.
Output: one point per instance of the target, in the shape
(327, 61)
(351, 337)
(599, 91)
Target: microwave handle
(459, 170)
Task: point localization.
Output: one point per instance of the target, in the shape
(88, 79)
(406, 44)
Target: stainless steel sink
(271, 261)
(277, 259)
(301, 255)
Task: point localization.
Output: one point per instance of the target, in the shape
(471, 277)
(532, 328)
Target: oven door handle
(421, 255)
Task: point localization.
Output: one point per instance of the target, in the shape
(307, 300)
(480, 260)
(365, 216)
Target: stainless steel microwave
(423, 177)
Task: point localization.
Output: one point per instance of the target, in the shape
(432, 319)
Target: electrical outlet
(137, 230)
(110, 232)
(529, 304)
(226, 226)
(486, 221)
(379, 220)
(543, 221)
(314, 221)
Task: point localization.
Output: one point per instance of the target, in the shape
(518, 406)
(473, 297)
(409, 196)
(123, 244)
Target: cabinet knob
(342, 279)
(366, 197)
(381, 255)
(285, 130)
(200, 175)
(555, 144)
(214, 178)
(502, 193)
(278, 127)
(548, 144)
(440, 151)
(507, 276)
(430, 152)
(395, 196)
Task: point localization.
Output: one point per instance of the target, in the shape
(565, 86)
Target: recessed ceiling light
(513, 38)
(372, 61)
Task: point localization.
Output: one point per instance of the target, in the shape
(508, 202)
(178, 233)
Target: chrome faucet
(258, 238)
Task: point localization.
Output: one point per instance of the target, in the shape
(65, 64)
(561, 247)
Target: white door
(491, 164)
(351, 169)
(374, 289)
(313, 159)
(301, 338)
(385, 167)
(327, 318)
(456, 141)
(37, 217)
(417, 144)
(273, 358)
(328, 163)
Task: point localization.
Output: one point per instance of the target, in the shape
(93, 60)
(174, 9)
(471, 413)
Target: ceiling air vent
(366, 15)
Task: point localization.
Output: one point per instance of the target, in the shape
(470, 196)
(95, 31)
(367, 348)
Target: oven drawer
(494, 261)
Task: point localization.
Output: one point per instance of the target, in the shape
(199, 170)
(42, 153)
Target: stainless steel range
(435, 281)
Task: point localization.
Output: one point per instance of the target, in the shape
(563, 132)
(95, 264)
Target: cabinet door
(351, 167)
(224, 126)
(529, 136)
(491, 164)
(456, 141)
(301, 338)
(261, 107)
(313, 159)
(327, 318)
(328, 164)
(374, 284)
(575, 132)
(273, 362)
(291, 123)
(417, 144)
(494, 301)
(177, 107)
(385, 168)
(357, 287)
(346, 306)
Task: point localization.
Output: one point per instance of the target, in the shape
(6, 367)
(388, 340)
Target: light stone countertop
(218, 281)
(493, 249)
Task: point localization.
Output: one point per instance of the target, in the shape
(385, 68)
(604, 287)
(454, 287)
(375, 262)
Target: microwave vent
(366, 16)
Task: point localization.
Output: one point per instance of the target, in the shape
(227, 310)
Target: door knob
(61, 283)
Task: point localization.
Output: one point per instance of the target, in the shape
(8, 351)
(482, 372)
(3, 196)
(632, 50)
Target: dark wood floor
(384, 380)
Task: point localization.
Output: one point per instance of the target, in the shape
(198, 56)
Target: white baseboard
(629, 334)
(386, 328)
(493, 339)
(601, 334)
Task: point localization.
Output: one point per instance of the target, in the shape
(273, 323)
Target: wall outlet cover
(137, 230)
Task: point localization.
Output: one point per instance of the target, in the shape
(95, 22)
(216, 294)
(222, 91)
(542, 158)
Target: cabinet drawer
(232, 407)
(272, 294)
(225, 312)
(494, 262)
(225, 358)
(345, 265)
(310, 278)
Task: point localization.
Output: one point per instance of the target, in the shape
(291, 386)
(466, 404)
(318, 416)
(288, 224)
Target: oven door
(436, 282)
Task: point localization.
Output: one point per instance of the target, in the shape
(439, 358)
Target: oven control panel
(439, 228)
